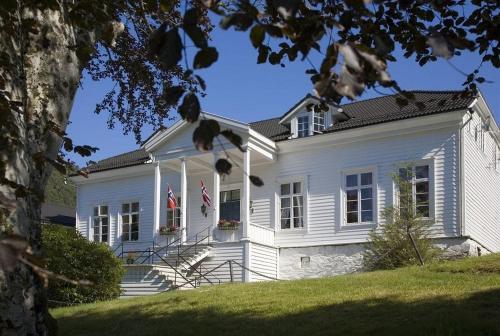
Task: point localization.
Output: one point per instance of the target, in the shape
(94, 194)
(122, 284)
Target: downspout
(461, 171)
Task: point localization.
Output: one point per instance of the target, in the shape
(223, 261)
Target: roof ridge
(395, 94)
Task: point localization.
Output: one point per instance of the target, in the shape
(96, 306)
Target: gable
(179, 137)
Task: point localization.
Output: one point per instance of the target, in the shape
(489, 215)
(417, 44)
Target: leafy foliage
(70, 254)
(58, 192)
(392, 247)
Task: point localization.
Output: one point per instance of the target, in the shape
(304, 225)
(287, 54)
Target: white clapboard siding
(482, 189)
(114, 193)
(220, 253)
(322, 170)
(264, 261)
(261, 234)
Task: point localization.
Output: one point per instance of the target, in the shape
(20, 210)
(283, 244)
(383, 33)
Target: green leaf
(172, 94)
(205, 58)
(190, 26)
(256, 181)
(234, 138)
(263, 54)
(223, 167)
(171, 49)
(190, 108)
(257, 35)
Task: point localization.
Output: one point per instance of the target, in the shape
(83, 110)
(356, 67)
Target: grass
(448, 298)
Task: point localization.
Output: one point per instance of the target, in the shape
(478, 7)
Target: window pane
(96, 211)
(366, 179)
(421, 172)
(352, 195)
(367, 204)
(405, 173)
(104, 210)
(422, 187)
(104, 229)
(104, 221)
(235, 195)
(135, 207)
(352, 217)
(352, 206)
(134, 227)
(297, 222)
(125, 219)
(298, 211)
(96, 222)
(125, 229)
(285, 189)
(125, 208)
(297, 200)
(285, 213)
(285, 223)
(134, 236)
(104, 238)
(422, 199)
(135, 218)
(297, 188)
(351, 180)
(96, 237)
(423, 211)
(366, 193)
(285, 203)
(367, 216)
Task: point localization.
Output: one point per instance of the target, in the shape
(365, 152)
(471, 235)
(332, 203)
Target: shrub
(70, 254)
(403, 240)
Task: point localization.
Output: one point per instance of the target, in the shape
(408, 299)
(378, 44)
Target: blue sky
(239, 88)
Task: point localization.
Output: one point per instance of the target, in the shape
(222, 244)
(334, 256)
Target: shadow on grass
(478, 314)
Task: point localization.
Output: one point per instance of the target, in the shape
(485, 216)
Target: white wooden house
(327, 178)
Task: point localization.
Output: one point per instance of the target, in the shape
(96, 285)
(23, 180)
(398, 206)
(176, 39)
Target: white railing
(262, 234)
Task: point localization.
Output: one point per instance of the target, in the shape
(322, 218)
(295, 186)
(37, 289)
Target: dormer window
(303, 126)
(318, 122)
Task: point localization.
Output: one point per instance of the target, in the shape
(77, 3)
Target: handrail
(176, 272)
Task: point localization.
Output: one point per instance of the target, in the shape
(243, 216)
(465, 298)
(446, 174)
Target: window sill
(357, 226)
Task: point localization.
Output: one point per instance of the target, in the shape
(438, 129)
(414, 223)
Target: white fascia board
(482, 108)
(111, 174)
(259, 138)
(160, 136)
(389, 129)
(297, 108)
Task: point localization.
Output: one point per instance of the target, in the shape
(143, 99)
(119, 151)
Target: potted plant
(228, 224)
(168, 230)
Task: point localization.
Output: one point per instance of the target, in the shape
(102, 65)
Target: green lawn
(452, 298)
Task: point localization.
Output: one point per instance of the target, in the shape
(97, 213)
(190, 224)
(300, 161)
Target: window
(303, 126)
(418, 177)
(292, 205)
(100, 223)
(174, 215)
(230, 205)
(130, 221)
(359, 198)
(318, 122)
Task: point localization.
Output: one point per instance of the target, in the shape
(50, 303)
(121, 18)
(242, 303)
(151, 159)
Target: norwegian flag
(171, 202)
(204, 195)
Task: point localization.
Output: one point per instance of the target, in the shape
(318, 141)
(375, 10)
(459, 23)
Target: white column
(156, 217)
(216, 199)
(245, 214)
(184, 200)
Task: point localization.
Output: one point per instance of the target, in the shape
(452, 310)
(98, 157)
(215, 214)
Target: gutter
(461, 171)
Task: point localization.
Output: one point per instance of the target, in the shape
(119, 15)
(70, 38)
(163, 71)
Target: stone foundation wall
(321, 261)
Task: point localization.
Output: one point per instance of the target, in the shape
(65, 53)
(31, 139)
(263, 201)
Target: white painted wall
(219, 254)
(264, 260)
(482, 189)
(321, 168)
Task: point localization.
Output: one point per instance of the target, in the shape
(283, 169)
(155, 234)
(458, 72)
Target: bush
(70, 254)
(393, 247)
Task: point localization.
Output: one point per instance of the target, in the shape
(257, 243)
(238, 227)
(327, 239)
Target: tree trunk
(39, 76)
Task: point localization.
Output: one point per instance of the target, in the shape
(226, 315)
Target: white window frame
(129, 214)
(318, 116)
(174, 212)
(305, 197)
(432, 183)
(358, 171)
(100, 216)
(307, 130)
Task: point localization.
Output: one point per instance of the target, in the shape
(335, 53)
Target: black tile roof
(133, 158)
(271, 128)
(363, 113)
(385, 109)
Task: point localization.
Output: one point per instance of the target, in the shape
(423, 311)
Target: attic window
(318, 122)
(303, 126)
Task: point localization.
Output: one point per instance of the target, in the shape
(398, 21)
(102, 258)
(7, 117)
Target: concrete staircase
(173, 270)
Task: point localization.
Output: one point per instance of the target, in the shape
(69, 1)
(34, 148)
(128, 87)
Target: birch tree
(152, 50)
